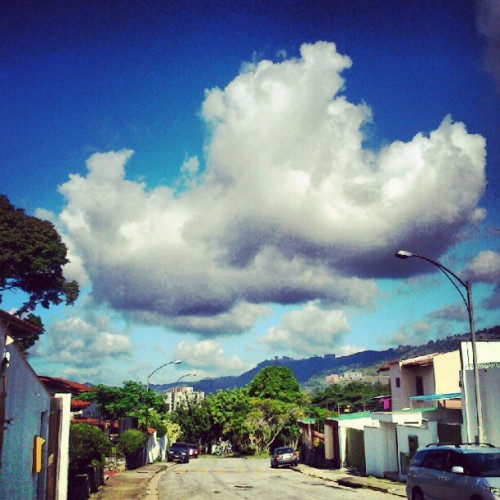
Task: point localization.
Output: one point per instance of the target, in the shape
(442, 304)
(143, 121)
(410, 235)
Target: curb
(357, 483)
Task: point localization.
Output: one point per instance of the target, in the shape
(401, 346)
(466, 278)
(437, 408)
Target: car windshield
(178, 446)
(282, 451)
(484, 464)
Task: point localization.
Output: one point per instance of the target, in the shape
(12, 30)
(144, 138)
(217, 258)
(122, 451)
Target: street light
(455, 281)
(176, 362)
(184, 376)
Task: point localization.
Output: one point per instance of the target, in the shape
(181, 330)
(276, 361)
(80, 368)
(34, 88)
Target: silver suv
(455, 471)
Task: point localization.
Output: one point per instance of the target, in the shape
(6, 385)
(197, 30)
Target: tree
(276, 382)
(32, 256)
(131, 400)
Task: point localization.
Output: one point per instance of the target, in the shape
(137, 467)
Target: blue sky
(232, 179)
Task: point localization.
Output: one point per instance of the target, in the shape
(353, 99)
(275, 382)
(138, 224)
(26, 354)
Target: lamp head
(404, 254)
(177, 361)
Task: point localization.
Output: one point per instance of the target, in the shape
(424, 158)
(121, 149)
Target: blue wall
(28, 405)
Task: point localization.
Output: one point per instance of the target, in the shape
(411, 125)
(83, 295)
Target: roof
(62, 385)
(425, 360)
(78, 404)
(17, 324)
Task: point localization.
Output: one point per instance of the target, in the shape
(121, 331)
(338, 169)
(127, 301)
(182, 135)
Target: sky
(233, 178)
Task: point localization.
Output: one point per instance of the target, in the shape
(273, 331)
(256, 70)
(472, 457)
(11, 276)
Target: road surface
(222, 478)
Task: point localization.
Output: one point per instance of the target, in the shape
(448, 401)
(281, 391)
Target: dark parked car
(193, 450)
(460, 471)
(178, 452)
(284, 456)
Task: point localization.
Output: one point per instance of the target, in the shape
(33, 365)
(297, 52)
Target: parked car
(193, 450)
(178, 452)
(284, 456)
(460, 471)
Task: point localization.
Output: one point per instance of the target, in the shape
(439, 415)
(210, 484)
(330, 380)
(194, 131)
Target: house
(34, 425)
(426, 381)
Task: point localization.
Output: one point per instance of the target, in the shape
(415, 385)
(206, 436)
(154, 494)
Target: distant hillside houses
(347, 376)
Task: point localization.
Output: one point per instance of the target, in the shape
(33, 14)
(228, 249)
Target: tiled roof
(78, 404)
(19, 324)
(63, 385)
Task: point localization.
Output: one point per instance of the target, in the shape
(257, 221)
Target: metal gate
(355, 449)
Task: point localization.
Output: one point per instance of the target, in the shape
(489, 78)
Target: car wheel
(186, 460)
(417, 494)
(169, 459)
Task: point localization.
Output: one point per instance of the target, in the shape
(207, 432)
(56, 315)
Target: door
(53, 447)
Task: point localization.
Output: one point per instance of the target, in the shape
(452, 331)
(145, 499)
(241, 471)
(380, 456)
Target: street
(208, 477)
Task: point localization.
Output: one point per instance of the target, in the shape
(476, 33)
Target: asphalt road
(222, 478)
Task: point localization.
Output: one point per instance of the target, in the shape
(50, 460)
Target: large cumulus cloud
(288, 208)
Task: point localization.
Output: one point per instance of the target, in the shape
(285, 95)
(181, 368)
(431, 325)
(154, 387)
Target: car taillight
(277, 457)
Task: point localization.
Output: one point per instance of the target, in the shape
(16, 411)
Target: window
(436, 460)
(419, 385)
(398, 382)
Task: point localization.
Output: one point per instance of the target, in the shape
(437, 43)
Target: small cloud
(208, 357)
(484, 268)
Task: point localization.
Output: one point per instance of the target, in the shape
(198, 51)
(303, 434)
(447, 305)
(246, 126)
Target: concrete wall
(28, 405)
(489, 381)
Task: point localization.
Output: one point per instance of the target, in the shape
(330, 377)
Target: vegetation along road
(209, 477)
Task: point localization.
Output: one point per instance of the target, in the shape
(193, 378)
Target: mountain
(310, 371)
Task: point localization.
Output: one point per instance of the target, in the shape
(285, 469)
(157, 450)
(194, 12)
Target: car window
(418, 458)
(435, 459)
(483, 464)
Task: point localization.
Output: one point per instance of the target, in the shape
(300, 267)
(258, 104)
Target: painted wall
(447, 372)
(28, 405)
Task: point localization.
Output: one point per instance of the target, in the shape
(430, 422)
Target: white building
(178, 395)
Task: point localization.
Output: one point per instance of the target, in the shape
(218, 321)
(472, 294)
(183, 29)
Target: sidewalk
(132, 484)
(345, 477)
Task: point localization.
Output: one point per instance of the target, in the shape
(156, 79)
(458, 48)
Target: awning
(436, 397)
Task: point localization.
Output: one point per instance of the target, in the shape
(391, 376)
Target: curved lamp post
(184, 376)
(456, 281)
(176, 362)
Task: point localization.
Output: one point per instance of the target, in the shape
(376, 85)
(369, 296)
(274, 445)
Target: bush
(87, 446)
(132, 441)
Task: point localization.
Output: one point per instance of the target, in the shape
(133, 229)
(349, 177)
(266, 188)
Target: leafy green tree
(228, 410)
(276, 382)
(356, 394)
(270, 418)
(32, 256)
(194, 420)
(131, 400)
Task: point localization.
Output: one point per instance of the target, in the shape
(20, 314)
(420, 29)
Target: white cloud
(485, 267)
(289, 207)
(308, 331)
(208, 358)
(86, 344)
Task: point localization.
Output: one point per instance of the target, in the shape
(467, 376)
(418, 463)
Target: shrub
(132, 441)
(87, 446)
